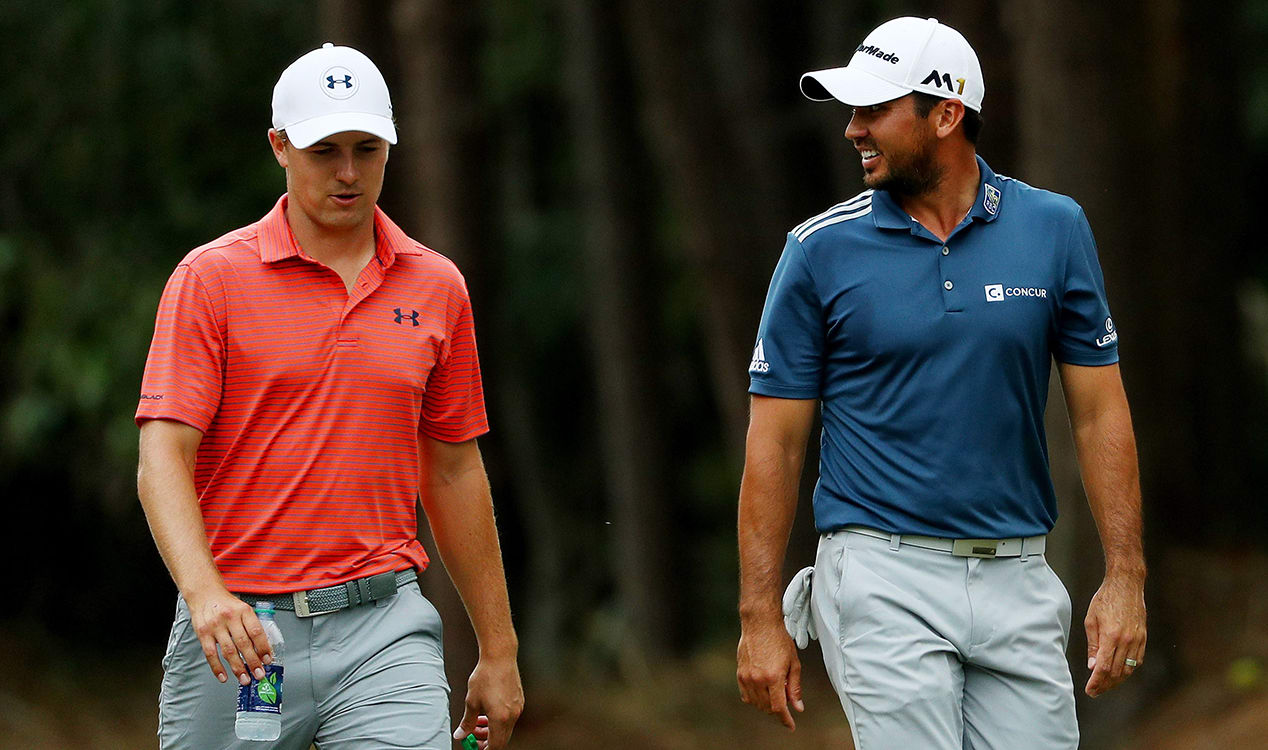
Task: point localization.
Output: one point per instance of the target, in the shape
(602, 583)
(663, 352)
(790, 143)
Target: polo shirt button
(947, 285)
(946, 250)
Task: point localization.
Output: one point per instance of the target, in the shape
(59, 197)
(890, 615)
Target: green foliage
(1256, 76)
(522, 55)
(134, 132)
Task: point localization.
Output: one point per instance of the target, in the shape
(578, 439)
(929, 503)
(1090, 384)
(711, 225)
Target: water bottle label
(263, 696)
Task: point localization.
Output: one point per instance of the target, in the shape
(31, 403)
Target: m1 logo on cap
(338, 83)
(937, 79)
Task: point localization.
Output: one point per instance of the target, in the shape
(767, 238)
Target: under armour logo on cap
(337, 83)
(353, 98)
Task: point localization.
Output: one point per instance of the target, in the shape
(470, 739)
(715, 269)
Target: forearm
(165, 485)
(768, 505)
(459, 507)
(1106, 448)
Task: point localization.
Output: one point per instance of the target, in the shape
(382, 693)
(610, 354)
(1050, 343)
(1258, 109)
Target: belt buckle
(983, 548)
(301, 604)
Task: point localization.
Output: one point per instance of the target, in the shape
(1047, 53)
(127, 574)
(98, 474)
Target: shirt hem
(780, 391)
(461, 437)
(290, 588)
(1082, 360)
(141, 419)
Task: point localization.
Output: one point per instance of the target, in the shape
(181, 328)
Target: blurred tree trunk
(548, 599)
(553, 593)
(1099, 116)
(711, 138)
(621, 329)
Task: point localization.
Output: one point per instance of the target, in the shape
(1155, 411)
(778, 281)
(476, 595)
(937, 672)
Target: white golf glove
(797, 620)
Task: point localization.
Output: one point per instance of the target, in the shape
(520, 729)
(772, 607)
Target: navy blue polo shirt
(931, 359)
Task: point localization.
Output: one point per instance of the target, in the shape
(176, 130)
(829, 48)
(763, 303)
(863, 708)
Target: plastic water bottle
(260, 703)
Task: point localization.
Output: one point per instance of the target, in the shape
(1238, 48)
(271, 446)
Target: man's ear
(947, 115)
(278, 142)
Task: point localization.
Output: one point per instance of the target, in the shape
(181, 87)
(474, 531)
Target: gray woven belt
(985, 548)
(340, 596)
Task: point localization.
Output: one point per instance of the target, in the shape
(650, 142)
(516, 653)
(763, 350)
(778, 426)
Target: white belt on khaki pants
(984, 548)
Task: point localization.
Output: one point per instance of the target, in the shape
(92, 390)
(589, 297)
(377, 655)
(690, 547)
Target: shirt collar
(887, 214)
(277, 242)
(989, 194)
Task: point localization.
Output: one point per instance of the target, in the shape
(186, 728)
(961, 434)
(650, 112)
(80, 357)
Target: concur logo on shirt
(999, 292)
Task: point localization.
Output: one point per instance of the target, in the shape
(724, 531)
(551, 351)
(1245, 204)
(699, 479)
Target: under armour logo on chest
(401, 317)
(346, 81)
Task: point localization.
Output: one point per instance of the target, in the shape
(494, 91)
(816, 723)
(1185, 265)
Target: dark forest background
(615, 179)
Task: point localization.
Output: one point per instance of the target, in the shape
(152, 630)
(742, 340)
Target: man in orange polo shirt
(312, 375)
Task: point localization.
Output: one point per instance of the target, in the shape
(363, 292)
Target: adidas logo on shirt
(759, 363)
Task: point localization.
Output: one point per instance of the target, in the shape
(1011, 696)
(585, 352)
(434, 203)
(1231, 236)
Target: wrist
(500, 650)
(761, 614)
(1132, 572)
(203, 588)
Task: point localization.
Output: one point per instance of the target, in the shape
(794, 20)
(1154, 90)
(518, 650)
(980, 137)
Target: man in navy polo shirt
(923, 315)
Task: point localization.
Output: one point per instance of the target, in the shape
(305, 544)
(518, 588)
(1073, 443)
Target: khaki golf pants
(929, 651)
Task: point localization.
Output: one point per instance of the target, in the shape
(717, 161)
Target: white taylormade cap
(901, 56)
(332, 90)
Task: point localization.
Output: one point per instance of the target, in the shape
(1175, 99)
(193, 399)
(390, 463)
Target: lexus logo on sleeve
(1111, 334)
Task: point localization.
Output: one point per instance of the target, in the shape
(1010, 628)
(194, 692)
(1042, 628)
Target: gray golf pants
(931, 651)
(371, 676)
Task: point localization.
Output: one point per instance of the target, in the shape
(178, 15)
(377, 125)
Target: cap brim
(856, 88)
(307, 132)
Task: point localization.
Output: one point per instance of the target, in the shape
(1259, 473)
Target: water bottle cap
(264, 608)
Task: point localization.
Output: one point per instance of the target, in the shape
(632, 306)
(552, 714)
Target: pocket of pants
(429, 621)
(1065, 606)
(180, 626)
(842, 565)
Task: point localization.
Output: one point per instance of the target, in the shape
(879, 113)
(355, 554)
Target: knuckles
(765, 677)
(504, 716)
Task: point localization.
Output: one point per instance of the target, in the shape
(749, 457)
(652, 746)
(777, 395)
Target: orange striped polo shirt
(311, 400)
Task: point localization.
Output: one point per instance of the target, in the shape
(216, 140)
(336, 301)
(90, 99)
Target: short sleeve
(453, 404)
(788, 358)
(185, 367)
(1086, 333)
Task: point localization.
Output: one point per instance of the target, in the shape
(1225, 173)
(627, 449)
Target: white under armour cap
(332, 90)
(901, 56)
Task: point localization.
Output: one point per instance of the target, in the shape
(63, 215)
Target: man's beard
(916, 174)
